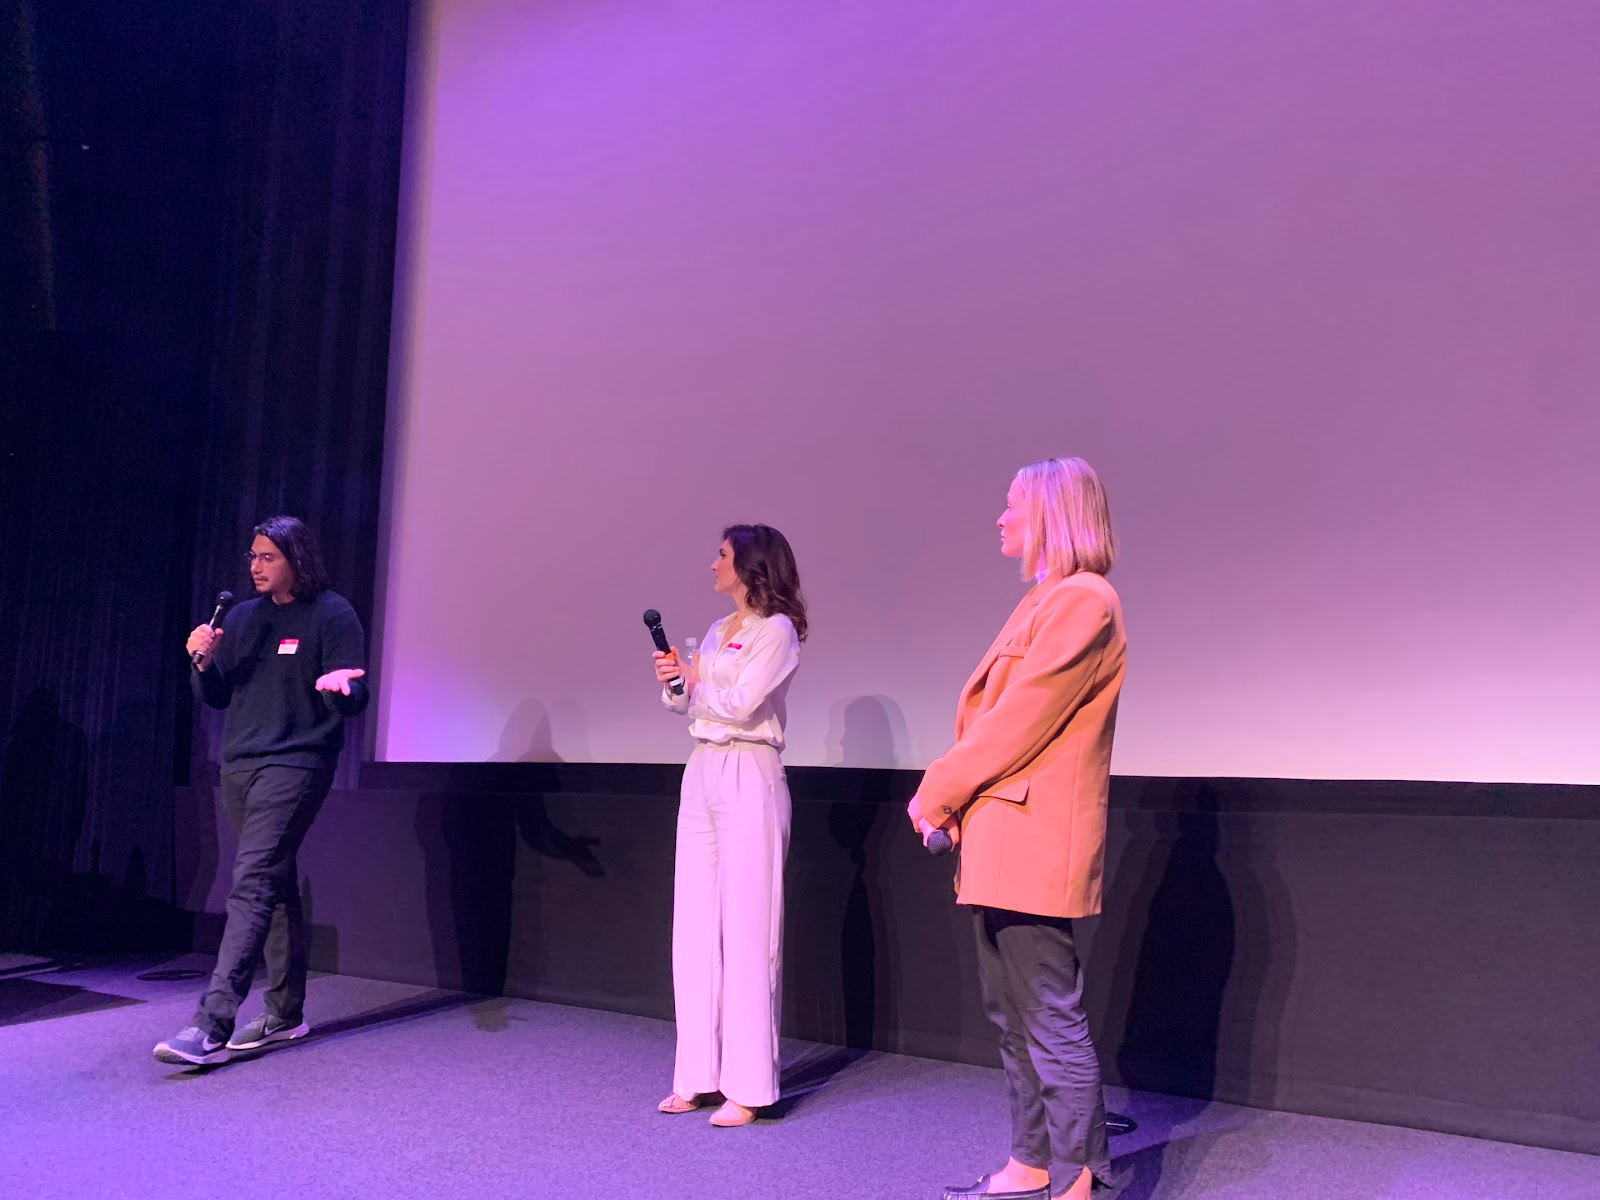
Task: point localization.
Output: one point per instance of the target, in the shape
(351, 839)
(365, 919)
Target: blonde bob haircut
(1069, 522)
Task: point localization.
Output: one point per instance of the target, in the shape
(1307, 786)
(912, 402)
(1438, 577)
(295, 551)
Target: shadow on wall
(198, 840)
(530, 734)
(1249, 1068)
(46, 900)
(866, 739)
(1201, 940)
(867, 731)
(197, 829)
(132, 786)
(44, 788)
(324, 939)
(471, 886)
(871, 893)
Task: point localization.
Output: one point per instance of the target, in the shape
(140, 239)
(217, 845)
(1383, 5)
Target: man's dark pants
(271, 809)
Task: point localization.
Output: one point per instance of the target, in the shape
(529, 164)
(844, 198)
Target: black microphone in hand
(224, 602)
(939, 843)
(652, 620)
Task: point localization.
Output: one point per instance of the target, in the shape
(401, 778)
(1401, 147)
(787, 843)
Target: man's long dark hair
(765, 565)
(301, 550)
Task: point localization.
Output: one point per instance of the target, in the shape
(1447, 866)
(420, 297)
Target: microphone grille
(224, 597)
(652, 617)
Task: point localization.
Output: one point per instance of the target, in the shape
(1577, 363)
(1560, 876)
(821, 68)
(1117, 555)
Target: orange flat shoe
(678, 1104)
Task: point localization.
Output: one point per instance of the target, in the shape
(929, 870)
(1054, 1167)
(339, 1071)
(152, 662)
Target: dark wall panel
(1415, 954)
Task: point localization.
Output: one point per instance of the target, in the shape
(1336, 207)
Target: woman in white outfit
(733, 831)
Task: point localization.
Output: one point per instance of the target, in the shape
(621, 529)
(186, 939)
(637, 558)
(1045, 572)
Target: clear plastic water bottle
(691, 646)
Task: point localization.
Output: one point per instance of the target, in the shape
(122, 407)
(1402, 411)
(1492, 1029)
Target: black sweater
(264, 672)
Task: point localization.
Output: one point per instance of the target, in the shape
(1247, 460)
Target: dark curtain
(197, 228)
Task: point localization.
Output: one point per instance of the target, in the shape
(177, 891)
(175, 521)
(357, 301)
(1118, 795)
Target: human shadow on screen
(869, 947)
(469, 846)
(1180, 929)
(1248, 1067)
(866, 739)
(1202, 947)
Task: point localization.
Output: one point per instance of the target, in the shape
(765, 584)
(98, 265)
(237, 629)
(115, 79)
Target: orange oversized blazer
(1031, 766)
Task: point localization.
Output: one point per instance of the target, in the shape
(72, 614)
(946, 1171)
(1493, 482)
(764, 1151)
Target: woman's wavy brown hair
(765, 565)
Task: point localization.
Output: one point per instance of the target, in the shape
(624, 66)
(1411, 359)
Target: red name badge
(288, 645)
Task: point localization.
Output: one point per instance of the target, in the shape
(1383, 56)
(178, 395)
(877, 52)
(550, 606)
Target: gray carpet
(403, 1091)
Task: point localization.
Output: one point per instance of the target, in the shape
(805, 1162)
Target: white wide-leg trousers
(727, 922)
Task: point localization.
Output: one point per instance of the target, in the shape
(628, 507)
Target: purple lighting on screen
(1313, 287)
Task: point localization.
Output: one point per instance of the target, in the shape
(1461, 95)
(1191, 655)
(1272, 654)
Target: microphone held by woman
(652, 621)
(733, 828)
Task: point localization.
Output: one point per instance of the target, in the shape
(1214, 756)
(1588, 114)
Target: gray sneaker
(192, 1046)
(265, 1030)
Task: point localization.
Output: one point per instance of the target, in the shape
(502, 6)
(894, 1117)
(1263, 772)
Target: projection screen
(1315, 287)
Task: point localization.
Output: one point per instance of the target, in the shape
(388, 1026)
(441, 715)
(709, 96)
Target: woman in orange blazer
(1023, 793)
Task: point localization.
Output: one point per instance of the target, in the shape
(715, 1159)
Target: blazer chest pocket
(1012, 791)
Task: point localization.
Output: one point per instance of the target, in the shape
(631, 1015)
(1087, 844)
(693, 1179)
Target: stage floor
(403, 1091)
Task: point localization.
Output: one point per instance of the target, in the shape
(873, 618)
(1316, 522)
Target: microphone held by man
(204, 638)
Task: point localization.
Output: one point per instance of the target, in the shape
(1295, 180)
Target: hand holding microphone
(203, 639)
(668, 669)
(939, 839)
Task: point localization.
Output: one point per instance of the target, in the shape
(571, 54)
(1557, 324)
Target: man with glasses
(287, 668)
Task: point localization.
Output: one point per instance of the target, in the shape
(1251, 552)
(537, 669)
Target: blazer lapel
(1018, 618)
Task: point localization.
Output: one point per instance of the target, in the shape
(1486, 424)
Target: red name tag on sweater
(288, 645)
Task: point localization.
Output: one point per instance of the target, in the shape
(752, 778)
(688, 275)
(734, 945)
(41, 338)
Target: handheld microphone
(939, 843)
(652, 620)
(224, 602)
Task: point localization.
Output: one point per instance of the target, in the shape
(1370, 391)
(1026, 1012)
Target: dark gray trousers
(1033, 991)
(271, 809)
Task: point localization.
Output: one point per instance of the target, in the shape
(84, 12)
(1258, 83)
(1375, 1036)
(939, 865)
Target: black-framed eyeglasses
(266, 560)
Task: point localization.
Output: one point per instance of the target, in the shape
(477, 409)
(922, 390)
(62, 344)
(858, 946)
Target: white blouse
(743, 688)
